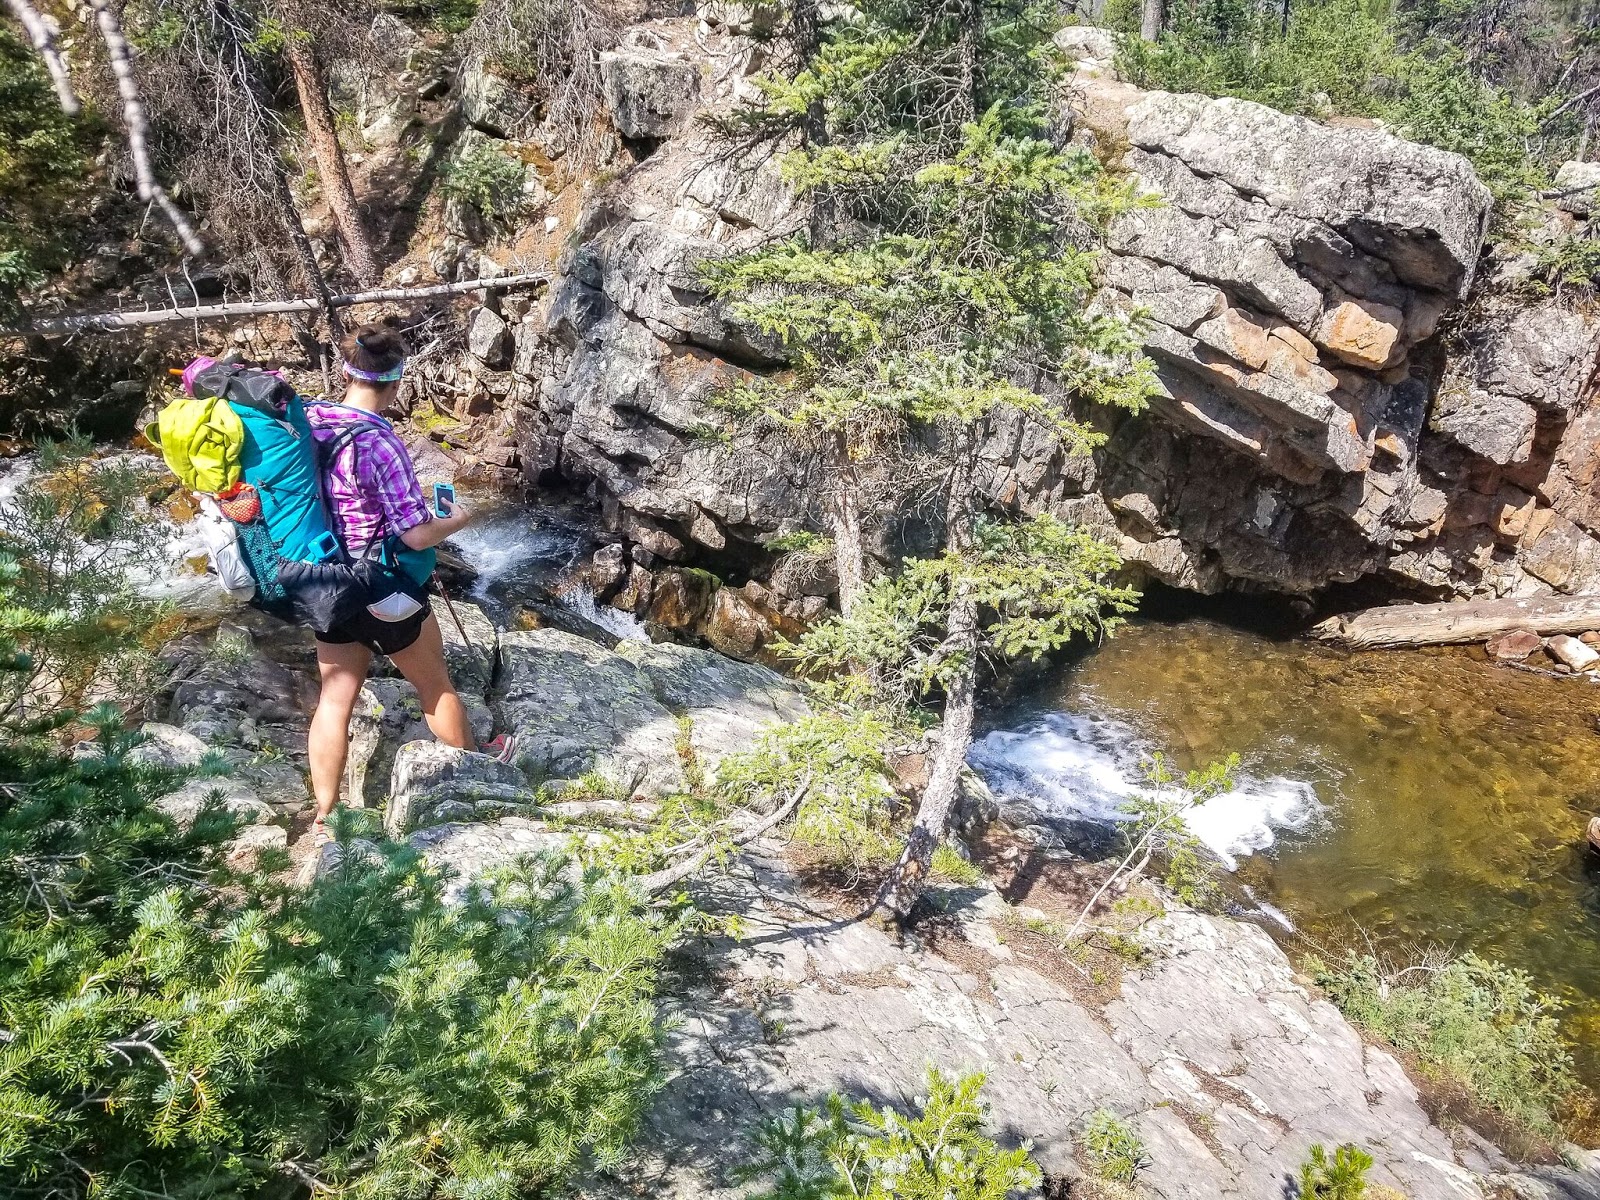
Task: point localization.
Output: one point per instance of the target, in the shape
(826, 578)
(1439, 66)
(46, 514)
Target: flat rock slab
(578, 707)
(1221, 1060)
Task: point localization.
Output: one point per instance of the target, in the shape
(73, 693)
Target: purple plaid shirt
(372, 486)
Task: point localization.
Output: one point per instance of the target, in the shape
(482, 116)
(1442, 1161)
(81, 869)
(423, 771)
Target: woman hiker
(373, 495)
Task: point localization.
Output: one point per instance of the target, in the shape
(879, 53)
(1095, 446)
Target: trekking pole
(454, 616)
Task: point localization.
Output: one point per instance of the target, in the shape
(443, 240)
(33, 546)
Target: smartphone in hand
(443, 493)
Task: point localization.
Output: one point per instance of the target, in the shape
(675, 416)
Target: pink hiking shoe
(503, 748)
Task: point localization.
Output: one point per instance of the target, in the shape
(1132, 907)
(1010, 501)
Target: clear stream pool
(1422, 797)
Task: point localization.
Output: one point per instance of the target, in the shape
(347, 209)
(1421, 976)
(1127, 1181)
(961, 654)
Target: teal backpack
(285, 533)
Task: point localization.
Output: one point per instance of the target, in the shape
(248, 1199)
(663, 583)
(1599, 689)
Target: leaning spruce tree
(949, 278)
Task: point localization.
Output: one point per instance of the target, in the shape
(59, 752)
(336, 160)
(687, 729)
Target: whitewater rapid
(1087, 766)
(513, 547)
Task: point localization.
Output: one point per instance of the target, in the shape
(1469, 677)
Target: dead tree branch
(41, 31)
(138, 126)
(112, 322)
(1569, 102)
(660, 881)
(1453, 622)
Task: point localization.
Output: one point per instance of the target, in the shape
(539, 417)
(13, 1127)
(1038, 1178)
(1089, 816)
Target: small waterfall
(1086, 765)
(521, 554)
(514, 547)
(613, 620)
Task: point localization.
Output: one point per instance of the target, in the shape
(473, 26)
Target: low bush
(1476, 1022)
(1345, 58)
(1343, 1176)
(45, 160)
(1114, 1150)
(866, 1153)
(173, 1028)
(73, 623)
(838, 758)
(488, 179)
(950, 866)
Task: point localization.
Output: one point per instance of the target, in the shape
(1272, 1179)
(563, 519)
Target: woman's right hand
(430, 533)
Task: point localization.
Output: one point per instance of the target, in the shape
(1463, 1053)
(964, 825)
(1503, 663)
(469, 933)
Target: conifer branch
(660, 881)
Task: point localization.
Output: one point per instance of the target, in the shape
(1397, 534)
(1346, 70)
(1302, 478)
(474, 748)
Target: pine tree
(953, 279)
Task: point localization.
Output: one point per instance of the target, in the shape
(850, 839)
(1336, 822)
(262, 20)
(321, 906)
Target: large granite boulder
(233, 795)
(1394, 212)
(1313, 425)
(650, 90)
(494, 104)
(635, 716)
(432, 782)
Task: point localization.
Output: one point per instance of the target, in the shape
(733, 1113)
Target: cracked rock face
(638, 715)
(1330, 407)
(1225, 1066)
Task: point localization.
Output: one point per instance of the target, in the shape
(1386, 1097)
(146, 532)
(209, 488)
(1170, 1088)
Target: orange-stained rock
(1286, 361)
(1237, 336)
(1514, 646)
(1513, 510)
(1361, 332)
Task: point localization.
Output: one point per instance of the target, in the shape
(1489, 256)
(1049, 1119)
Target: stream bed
(1416, 798)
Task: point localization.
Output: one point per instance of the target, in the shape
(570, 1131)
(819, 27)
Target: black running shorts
(377, 635)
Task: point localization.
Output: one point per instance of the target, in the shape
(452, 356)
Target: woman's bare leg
(343, 669)
(422, 663)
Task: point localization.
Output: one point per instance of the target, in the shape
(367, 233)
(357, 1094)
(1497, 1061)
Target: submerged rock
(1514, 646)
(1572, 653)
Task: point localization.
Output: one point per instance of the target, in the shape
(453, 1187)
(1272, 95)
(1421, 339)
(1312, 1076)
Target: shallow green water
(1450, 794)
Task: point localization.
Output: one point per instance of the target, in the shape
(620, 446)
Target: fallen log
(1456, 621)
(107, 322)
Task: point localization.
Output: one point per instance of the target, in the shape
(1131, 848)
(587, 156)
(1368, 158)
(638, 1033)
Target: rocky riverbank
(1209, 1043)
(1386, 398)
(1356, 386)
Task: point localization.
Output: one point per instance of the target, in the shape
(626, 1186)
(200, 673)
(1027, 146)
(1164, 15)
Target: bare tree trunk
(1454, 622)
(900, 891)
(903, 887)
(287, 302)
(296, 229)
(247, 90)
(844, 520)
(1153, 18)
(341, 197)
(968, 49)
(133, 117)
(42, 32)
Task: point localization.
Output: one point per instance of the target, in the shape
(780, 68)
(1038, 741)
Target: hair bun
(375, 348)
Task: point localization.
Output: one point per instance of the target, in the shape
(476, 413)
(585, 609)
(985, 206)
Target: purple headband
(392, 375)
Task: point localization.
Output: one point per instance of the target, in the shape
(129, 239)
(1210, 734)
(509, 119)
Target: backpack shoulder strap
(327, 452)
